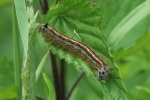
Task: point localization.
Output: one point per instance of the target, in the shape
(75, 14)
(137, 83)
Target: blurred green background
(131, 54)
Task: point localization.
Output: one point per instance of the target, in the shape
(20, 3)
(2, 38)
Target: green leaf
(85, 18)
(50, 87)
(114, 12)
(128, 23)
(7, 87)
(22, 20)
(142, 42)
(97, 89)
(17, 56)
(136, 67)
(41, 65)
(8, 92)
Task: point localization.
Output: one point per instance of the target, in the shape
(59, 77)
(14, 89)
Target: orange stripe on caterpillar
(76, 48)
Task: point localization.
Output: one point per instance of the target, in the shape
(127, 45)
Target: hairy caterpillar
(76, 48)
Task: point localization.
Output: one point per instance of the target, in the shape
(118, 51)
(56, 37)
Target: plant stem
(75, 84)
(62, 78)
(59, 85)
(55, 76)
(44, 6)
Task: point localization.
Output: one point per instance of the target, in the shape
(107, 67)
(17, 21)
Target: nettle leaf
(7, 86)
(86, 19)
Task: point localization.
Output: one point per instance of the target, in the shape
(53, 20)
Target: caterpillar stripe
(76, 48)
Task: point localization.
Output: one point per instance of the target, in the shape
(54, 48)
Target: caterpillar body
(76, 48)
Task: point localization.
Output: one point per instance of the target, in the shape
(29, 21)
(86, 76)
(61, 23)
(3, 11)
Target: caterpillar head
(103, 72)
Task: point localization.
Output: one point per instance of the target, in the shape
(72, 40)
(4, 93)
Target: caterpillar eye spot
(103, 73)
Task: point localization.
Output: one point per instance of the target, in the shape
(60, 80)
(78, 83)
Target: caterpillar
(76, 48)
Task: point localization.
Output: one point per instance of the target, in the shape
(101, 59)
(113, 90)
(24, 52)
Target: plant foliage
(86, 19)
